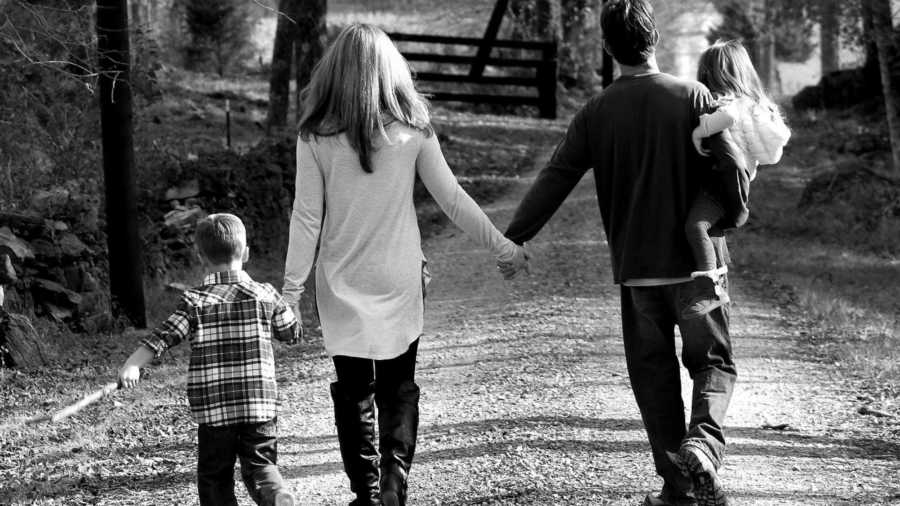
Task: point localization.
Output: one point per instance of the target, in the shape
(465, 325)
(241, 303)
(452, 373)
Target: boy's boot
(398, 425)
(354, 416)
(709, 294)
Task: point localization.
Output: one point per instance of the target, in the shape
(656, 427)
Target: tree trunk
(883, 31)
(312, 36)
(830, 36)
(766, 63)
(125, 263)
(871, 70)
(136, 18)
(282, 54)
(581, 52)
(536, 19)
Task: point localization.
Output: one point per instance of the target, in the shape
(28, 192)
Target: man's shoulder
(659, 81)
(689, 86)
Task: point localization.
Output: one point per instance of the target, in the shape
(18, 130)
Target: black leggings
(355, 375)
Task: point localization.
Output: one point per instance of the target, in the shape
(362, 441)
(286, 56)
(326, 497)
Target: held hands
(510, 268)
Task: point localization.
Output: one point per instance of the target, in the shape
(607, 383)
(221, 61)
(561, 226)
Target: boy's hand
(130, 373)
(697, 137)
(129, 376)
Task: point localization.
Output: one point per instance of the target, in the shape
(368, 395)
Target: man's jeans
(649, 316)
(255, 444)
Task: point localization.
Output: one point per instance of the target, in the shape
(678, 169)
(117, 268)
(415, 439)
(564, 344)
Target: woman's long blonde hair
(361, 83)
(725, 68)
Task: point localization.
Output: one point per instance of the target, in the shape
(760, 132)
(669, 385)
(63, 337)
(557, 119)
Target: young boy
(230, 321)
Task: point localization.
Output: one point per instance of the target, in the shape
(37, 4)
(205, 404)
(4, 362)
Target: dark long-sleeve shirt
(636, 135)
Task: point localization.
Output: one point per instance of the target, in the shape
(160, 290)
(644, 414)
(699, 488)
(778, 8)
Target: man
(636, 135)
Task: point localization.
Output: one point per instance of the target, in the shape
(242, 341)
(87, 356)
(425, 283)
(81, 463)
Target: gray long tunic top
(369, 268)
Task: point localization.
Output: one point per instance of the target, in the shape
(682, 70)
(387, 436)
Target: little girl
(365, 135)
(757, 128)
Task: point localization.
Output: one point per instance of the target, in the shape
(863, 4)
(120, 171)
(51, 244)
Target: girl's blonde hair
(725, 68)
(360, 84)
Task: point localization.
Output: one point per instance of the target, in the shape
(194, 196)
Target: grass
(844, 279)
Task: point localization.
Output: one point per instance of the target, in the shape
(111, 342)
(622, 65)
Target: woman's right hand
(519, 262)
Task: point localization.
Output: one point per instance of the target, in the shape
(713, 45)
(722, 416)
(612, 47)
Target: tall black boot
(354, 416)
(398, 425)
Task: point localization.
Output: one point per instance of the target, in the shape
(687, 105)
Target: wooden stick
(70, 410)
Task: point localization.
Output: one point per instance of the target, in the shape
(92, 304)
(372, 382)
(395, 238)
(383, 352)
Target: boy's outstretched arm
(130, 373)
(175, 329)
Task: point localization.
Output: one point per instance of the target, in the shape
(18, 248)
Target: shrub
(217, 33)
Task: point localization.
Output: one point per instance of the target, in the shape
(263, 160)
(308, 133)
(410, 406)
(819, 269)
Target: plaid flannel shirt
(229, 321)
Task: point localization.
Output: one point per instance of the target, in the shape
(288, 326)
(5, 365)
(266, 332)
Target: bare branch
(276, 11)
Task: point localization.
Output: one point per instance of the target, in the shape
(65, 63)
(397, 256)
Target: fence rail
(543, 80)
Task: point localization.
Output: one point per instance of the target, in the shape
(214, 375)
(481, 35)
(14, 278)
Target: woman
(364, 136)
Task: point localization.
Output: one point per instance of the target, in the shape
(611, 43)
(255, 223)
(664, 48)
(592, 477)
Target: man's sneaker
(663, 499)
(283, 498)
(709, 298)
(693, 463)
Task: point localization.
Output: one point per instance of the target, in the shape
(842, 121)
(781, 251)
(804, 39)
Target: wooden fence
(543, 65)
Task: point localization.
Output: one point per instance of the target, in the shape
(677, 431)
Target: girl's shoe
(710, 294)
(283, 498)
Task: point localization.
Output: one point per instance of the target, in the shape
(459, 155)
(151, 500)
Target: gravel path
(526, 401)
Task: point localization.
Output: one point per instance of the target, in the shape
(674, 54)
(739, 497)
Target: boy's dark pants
(649, 316)
(255, 444)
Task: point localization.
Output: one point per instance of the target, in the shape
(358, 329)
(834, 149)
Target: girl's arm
(711, 124)
(306, 224)
(457, 204)
(715, 122)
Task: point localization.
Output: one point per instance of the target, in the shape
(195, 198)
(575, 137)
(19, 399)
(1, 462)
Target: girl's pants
(705, 212)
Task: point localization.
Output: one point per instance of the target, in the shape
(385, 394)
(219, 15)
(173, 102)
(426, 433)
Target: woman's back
(369, 214)
(368, 272)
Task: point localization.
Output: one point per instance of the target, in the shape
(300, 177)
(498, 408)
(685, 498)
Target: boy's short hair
(629, 30)
(221, 238)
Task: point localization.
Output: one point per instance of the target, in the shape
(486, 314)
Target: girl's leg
(704, 214)
(354, 414)
(397, 396)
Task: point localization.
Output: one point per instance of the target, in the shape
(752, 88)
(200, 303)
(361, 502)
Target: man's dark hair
(629, 30)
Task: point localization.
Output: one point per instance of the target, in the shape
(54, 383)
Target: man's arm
(554, 183)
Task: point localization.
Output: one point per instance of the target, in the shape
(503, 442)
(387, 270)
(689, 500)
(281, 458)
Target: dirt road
(526, 400)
